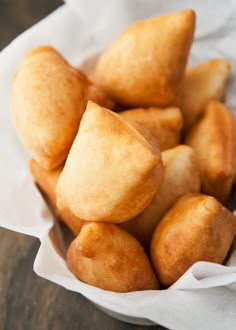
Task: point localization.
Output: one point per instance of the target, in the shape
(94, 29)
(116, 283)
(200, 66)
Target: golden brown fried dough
(47, 101)
(163, 124)
(109, 258)
(97, 95)
(47, 181)
(196, 228)
(145, 65)
(146, 134)
(112, 172)
(203, 83)
(214, 140)
(181, 175)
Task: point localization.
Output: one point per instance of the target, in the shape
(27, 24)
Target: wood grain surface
(28, 302)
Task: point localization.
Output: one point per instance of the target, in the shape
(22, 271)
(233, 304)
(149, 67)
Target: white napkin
(205, 296)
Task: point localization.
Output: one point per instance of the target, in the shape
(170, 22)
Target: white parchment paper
(205, 296)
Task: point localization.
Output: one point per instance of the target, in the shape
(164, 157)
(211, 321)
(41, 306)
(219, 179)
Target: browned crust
(106, 256)
(148, 72)
(47, 181)
(196, 228)
(164, 124)
(214, 140)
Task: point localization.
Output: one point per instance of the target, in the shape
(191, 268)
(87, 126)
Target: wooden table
(28, 302)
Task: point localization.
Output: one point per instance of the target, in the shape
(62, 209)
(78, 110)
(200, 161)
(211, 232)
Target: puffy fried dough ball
(181, 176)
(164, 124)
(203, 83)
(112, 172)
(109, 258)
(47, 181)
(145, 65)
(213, 139)
(48, 99)
(196, 228)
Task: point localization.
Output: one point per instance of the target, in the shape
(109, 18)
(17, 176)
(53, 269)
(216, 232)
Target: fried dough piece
(203, 83)
(145, 65)
(214, 140)
(47, 181)
(181, 176)
(196, 228)
(48, 99)
(106, 256)
(164, 124)
(97, 95)
(112, 172)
